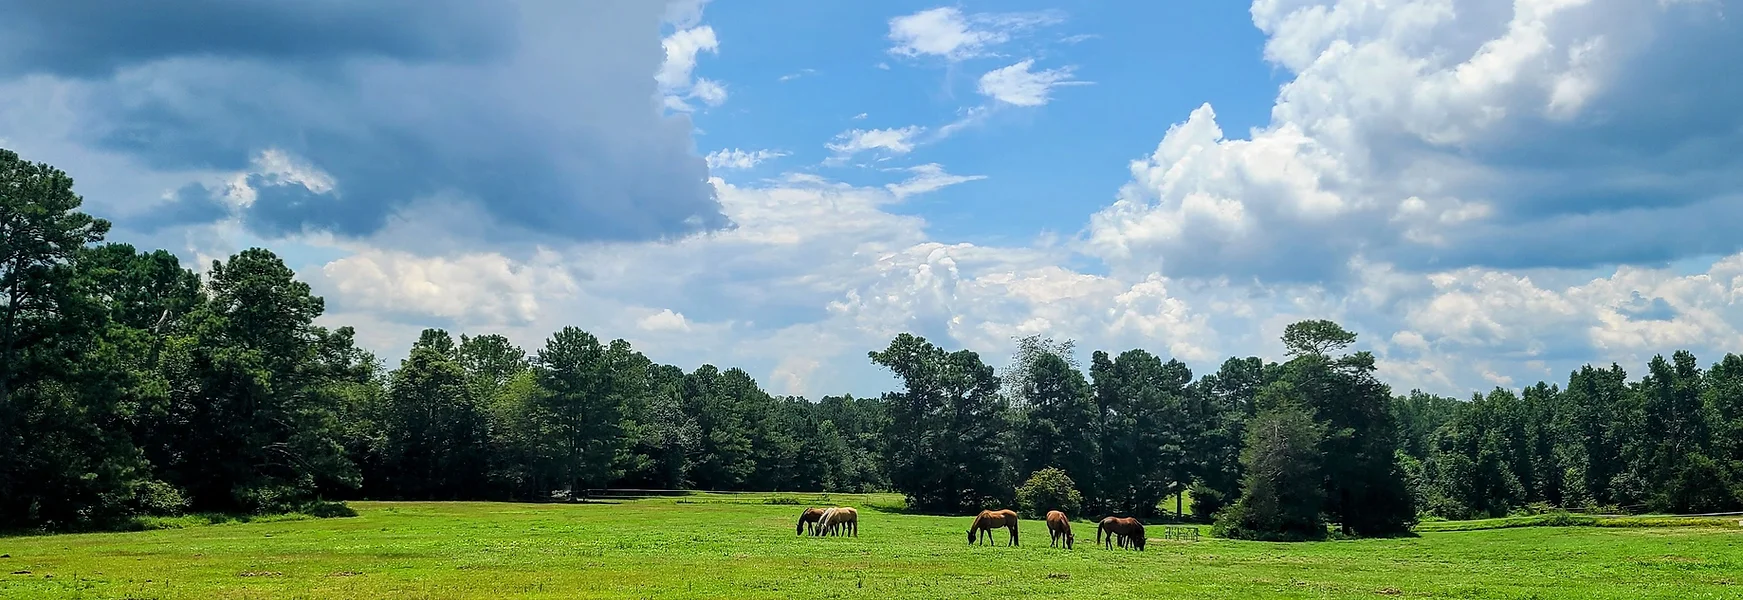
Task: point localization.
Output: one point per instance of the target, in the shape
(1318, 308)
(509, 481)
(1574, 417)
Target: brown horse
(1059, 529)
(841, 520)
(810, 516)
(988, 520)
(1129, 531)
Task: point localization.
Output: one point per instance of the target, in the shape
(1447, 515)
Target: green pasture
(742, 546)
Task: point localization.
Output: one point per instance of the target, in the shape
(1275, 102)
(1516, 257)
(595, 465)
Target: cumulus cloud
(664, 320)
(1503, 134)
(473, 290)
(542, 113)
(1018, 85)
(676, 74)
(949, 33)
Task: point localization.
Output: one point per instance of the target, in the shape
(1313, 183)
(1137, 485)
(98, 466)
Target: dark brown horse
(1059, 529)
(1128, 530)
(988, 520)
(810, 516)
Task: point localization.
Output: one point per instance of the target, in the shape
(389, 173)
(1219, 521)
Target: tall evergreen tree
(1227, 399)
(1058, 420)
(1282, 492)
(949, 432)
(584, 393)
(1365, 489)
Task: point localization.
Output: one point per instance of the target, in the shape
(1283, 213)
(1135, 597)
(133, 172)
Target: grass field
(738, 546)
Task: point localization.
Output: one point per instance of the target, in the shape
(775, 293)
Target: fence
(1180, 532)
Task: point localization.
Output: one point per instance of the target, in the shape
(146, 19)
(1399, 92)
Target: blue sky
(1490, 192)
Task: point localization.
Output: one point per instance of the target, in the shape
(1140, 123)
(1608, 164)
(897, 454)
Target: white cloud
(739, 159)
(676, 73)
(893, 141)
(927, 178)
(1017, 85)
(477, 289)
(664, 320)
(949, 33)
(1420, 133)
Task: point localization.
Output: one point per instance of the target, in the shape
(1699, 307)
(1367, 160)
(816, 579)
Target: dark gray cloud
(1641, 309)
(543, 113)
(89, 38)
(193, 203)
(1668, 134)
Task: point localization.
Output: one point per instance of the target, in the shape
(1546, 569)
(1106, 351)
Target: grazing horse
(1059, 529)
(841, 520)
(988, 520)
(1129, 531)
(809, 517)
(1106, 525)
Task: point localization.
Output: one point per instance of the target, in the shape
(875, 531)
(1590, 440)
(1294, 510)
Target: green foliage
(1365, 489)
(157, 498)
(1316, 338)
(585, 389)
(949, 432)
(1282, 495)
(322, 509)
(1144, 440)
(1227, 399)
(1048, 489)
(1057, 415)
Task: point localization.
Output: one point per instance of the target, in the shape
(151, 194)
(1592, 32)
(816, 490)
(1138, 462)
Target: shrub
(1048, 489)
(327, 509)
(158, 499)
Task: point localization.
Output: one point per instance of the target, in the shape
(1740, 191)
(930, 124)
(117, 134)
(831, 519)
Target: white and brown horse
(840, 520)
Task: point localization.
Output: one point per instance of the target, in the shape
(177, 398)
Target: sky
(1490, 193)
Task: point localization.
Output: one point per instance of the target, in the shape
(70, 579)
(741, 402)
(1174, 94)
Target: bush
(327, 509)
(267, 499)
(158, 499)
(1048, 489)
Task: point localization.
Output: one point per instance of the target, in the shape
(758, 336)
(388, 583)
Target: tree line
(132, 385)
